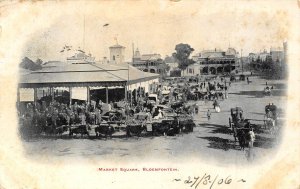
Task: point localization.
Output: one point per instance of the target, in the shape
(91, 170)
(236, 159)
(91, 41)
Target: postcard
(149, 94)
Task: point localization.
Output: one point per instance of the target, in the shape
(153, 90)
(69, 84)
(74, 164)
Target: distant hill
(30, 65)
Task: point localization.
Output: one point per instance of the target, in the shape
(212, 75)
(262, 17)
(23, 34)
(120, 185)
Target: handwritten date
(207, 180)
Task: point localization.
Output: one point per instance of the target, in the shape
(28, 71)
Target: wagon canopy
(236, 109)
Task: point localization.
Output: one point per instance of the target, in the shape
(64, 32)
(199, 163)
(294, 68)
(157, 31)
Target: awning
(83, 75)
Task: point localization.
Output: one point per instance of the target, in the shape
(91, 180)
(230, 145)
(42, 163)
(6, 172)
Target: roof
(117, 46)
(23, 71)
(154, 56)
(78, 75)
(272, 49)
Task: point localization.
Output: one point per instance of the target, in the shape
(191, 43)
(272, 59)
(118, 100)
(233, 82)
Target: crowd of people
(54, 114)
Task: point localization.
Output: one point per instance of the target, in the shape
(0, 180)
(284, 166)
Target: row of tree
(28, 64)
(270, 68)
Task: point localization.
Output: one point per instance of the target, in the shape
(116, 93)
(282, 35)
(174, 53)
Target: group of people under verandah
(55, 113)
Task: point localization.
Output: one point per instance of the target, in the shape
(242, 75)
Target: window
(114, 58)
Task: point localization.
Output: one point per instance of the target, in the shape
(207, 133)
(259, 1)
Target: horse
(81, 129)
(135, 129)
(91, 118)
(106, 130)
(242, 138)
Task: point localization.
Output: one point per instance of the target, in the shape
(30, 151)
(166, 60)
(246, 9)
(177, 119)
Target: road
(211, 140)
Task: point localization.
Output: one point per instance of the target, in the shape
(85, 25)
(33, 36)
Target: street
(211, 140)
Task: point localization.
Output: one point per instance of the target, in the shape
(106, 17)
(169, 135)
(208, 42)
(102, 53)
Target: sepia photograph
(225, 99)
(133, 84)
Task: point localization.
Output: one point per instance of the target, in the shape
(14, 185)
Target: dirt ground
(211, 140)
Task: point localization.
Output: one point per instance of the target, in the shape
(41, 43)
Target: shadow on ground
(217, 142)
(226, 144)
(260, 94)
(282, 86)
(264, 142)
(220, 143)
(223, 129)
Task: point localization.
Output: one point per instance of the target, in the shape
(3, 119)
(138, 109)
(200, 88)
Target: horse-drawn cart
(240, 126)
(268, 91)
(141, 122)
(271, 118)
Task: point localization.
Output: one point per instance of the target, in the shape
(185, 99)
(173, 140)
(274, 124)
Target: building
(173, 65)
(147, 62)
(213, 62)
(277, 54)
(84, 81)
(104, 60)
(192, 70)
(264, 55)
(117, 54)
(285, 51)
(80, 57)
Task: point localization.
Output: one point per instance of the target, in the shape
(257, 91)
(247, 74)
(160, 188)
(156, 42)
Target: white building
(117, 54)
(277, 54)
(172, 63)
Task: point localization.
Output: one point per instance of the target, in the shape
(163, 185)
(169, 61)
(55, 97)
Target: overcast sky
(158, 27)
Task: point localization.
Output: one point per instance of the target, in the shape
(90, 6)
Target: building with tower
(117, 54)
(213, 62)
(148, 62)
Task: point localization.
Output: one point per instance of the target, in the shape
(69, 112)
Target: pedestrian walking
(205, 99)
(226, 94)
(250, 154)
(208, 115)
(251, 138)
(215, 104)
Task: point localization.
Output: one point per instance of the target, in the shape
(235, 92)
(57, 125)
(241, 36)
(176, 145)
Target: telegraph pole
(242, 61)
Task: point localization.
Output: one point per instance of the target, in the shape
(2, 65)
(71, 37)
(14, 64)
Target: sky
(158, 27)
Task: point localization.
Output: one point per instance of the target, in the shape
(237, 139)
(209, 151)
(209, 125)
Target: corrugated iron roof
(85, 73)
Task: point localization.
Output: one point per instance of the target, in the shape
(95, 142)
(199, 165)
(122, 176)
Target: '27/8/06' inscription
(208, 180)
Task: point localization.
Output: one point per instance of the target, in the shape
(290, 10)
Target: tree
(29, 64)
(182, 54)
(163, 67)
(39, 62)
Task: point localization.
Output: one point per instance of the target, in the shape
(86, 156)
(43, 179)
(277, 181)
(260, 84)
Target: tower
(285, 50)
(117, 54)
(137, 55)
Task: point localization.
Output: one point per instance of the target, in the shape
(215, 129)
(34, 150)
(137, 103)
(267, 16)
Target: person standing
(208, 115)
(215, 104)
(98, 116)
(251, 136)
